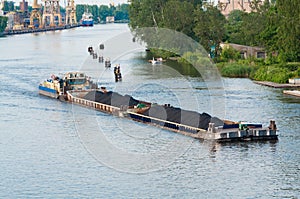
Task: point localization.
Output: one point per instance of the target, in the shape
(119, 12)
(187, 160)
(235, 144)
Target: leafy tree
(269, 37)
(94, 10)
(3, 23)
(209, 27)
(234, 26)
(146, 13)
(121, 12)
(289, 29)
(229, 53)
(104, 11)
(8, 6)
(80, 9)
(196, 2)
(253, 24)
(178, 15)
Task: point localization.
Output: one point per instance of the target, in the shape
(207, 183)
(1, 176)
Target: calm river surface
(51, 149)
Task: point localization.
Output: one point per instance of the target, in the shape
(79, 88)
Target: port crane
(35, 14)
(71, 13)
(51, 14)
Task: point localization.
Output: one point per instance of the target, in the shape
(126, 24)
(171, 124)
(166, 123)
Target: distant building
(246, 51)
(1, 7)
(110, 19)
(24, 6)
(10, 21)
(226, 6)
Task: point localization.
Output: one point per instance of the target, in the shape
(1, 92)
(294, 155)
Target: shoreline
(292, 93)
(276, 85)
(26, 31)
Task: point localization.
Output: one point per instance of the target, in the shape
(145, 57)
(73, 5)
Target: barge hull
(48, 92)
(254, 132)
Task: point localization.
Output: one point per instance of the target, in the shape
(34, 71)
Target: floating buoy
(101, 46)
(107, 63)
(95, 56)
(90, 50)
(117, 72)
(101, 59)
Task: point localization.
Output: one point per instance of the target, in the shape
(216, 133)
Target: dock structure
(25, 31)
(277, 85)
(46, 17)
(292, 92)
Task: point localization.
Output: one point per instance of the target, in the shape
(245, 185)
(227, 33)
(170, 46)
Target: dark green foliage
(289, 29)
(104, 11)
(120, 12)
(8, 6)
(236, 70)
(273, 73)
(229, 54)
(179, 16)
(209, 27)
(3, 23)
(273, 25)
(234, 27)
(162, 53)
(204, 25)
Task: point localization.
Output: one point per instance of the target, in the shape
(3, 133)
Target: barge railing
(180, 128)
(99, 106)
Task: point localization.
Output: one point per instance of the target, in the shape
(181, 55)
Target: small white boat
(156, 61)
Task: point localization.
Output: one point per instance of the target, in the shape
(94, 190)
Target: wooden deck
(290, 92)
(276, 85)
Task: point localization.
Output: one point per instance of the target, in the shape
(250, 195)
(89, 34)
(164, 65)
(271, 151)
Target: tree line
(120, 12)
(274, 24)
(3, 23)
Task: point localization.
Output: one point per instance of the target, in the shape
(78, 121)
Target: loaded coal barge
(77, 88)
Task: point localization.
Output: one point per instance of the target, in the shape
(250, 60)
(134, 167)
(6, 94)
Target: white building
(1, 7)
(110, 19)
(226, 6)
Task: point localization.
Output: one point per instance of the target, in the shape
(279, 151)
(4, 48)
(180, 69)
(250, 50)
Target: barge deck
(211, 131)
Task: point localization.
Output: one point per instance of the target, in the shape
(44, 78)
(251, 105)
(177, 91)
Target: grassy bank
(230, 65)
(260, 71)
(279, 73)
(235, 69)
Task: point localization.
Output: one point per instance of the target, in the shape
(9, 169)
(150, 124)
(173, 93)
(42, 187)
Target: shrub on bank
(196, 59)
(236, 69)
(273, 73)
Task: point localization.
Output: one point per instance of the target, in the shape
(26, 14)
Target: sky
(92, 2)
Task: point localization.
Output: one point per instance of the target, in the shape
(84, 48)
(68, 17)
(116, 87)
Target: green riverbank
(269, 69)
(259, 70)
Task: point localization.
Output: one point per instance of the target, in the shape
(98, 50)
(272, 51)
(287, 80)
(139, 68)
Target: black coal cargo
(111, 98)
(166, 113)
(180, 116)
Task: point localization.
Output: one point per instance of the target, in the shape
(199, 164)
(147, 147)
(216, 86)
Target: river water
(51, 149)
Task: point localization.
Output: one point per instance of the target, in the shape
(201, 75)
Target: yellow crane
(71, 13)
(35, 14)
